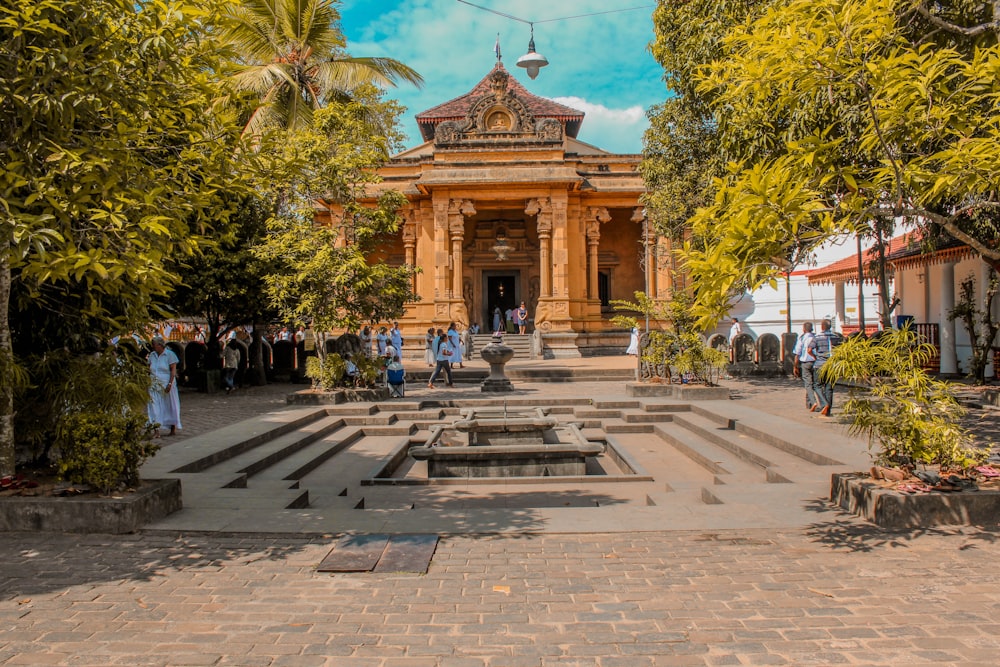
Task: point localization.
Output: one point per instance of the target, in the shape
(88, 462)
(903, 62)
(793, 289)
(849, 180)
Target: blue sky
(598, 64)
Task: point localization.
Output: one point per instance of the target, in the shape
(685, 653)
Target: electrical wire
(564, 18)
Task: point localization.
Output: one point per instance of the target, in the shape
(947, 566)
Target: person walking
(443, 355)
(164, 401)
(805, 365)
(824, 342)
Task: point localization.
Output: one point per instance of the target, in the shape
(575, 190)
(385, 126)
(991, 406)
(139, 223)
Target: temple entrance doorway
(500, 289)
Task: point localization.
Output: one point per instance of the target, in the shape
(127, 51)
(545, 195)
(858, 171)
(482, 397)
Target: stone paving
(838, 591)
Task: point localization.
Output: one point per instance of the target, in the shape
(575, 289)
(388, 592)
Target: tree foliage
(836, 116)
(112, 165)
(322, 272)
(290, 59)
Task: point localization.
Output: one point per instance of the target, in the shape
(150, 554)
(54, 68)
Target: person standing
(456, 345)
(396, 338)
(443, 356)
(633, 343)
(497, 319)
(230, 364)
(805, 365)
(164, 401)
(522, 319)
(366, 340)
(735, 330)
(429, 355)
(381, 341)
(824, 342)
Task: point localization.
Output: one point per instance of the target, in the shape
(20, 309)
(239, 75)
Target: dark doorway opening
(500, 292)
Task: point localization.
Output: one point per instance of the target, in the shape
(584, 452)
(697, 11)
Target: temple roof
(458, 108)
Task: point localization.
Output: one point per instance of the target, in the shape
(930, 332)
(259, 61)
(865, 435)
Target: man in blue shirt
(823, 344)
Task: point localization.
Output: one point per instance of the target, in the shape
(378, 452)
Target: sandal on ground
(913, 488)
(889, 474)
(927, 477)
(962, 483)
(988, 472)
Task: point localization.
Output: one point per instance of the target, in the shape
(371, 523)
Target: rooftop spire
(496, 47)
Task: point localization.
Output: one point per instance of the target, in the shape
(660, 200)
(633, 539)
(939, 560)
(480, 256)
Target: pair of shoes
(430, 386)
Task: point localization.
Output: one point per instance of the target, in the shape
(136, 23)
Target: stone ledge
(311, 397)
(91, 513)
(857, 494)
(688, 392)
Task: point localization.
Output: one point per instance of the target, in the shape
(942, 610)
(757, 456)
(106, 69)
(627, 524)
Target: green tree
(111, 165)
(224, 282)
(323, 271)
(290, 59)
(843, 115)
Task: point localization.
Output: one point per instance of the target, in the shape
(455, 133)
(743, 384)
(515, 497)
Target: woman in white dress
(164, 402)
(430, 356)
(456, 346)
(633, 343)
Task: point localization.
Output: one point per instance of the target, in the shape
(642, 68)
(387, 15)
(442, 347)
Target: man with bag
(805, 360)
(823, 344)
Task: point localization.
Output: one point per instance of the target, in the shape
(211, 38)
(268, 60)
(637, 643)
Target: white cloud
(616, 130)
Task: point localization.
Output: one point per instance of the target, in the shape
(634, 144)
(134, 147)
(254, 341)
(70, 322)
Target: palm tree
(290, 57)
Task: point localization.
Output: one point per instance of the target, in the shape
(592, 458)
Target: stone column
(560, 249)
(410, 243)
(840, 301)
(595, 216)
(458, 211)
(441, 249)
(949, 356)
(542, 209)
(649, 252)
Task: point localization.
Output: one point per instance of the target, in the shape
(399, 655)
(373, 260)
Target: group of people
(511, 320)
(811, 352)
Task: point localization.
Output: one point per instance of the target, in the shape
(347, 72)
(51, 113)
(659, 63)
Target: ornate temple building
(505, 205)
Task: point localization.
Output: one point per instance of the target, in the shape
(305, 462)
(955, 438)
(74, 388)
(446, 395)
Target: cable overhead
(532, 61)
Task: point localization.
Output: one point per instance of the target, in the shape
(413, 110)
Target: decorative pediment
(499, 117)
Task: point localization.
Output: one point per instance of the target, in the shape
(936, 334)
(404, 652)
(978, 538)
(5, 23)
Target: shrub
(906, 414)
(104, 449)
(368, 369)
(326, 374)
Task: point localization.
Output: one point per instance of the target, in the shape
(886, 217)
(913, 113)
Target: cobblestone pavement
(837, 592)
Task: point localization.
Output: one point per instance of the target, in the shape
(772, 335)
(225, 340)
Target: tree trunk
(7, 451)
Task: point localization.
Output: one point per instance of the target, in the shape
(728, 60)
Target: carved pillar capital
(596, 216)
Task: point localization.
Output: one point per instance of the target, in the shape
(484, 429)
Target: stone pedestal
(496, 354)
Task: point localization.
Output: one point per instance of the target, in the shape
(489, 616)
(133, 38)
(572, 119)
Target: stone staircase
(714, 462)
(520, 344)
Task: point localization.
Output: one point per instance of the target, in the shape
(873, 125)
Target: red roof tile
(846, 270)
(539, 107)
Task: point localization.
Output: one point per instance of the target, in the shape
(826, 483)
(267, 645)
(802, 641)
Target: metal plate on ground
(355, 553)
(408, 553)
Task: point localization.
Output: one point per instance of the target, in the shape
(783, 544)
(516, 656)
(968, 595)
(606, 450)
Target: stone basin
(493, 443)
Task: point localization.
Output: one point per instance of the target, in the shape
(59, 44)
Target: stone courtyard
(675, 582)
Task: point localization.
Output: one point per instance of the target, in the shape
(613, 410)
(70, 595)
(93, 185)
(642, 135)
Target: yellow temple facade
(506, 205)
